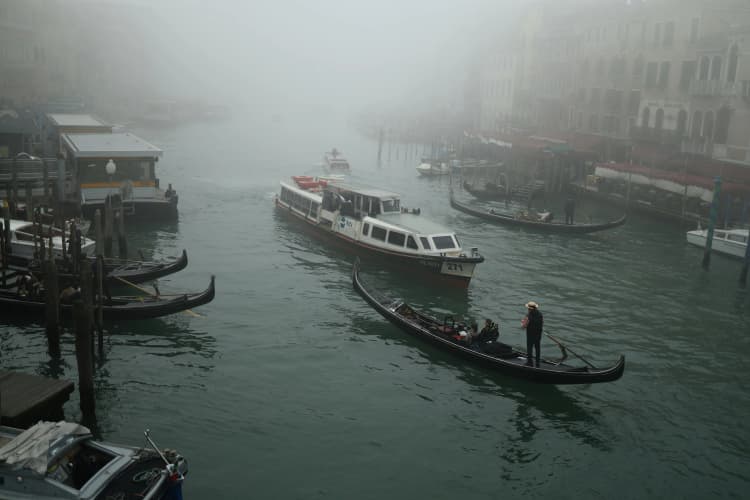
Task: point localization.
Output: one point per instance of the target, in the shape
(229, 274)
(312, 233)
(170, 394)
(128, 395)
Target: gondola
(115, 308)
(497, 356)
(535, 223)
(490, 191)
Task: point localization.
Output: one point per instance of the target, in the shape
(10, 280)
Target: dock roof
(123, 145)
(75, 120)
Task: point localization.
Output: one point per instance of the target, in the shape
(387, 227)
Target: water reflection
(557, 407)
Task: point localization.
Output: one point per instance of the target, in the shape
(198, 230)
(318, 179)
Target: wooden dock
(26, 399)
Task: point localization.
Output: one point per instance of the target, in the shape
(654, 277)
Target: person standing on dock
(533, 322)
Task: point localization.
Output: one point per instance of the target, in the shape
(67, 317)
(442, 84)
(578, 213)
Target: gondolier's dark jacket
(536, 323)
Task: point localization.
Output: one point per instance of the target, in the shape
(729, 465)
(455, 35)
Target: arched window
(697, 124)
(716, 68)
(708, 125)
(703, 72)
(645, 117)
(681, 123)
(732, 65)
(659, 120)
(721, 133)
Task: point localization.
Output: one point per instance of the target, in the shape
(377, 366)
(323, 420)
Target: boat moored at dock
(373, 220)
(732, 242)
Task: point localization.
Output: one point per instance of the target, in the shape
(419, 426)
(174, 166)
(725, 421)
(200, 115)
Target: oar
(192, 313)
(565, 348)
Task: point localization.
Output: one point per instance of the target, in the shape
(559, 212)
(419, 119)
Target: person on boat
(570, 210)
(69, 294)
(533, 322)
(490, 332)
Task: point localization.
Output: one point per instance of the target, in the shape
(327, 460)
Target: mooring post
(712, 222)
(108, 227)
(87, 296)
(45, 181)
(6, 219)
(84, 358)
(13, 196)
(29, 202)
(122, 242)
(746, 264)
(52, 310)
(98, 232)
(100, 303)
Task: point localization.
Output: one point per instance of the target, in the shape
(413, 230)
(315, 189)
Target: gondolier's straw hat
(532, 305)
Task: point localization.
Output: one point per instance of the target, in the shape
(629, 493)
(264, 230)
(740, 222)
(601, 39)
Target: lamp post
(110, 168)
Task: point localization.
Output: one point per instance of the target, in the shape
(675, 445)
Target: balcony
(716, 88)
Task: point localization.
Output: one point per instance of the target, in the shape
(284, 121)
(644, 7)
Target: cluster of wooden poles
(77, 269)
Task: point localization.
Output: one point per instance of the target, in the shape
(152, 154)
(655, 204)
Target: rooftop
(75, 120)
(124, 145)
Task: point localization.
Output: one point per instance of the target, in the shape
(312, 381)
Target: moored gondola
(115, 308)
(504, 359)
(536, 223)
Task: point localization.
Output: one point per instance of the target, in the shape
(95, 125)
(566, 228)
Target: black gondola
(119, 271)
(553, 227)
(114, 308)
(489, 192)
(499, 357)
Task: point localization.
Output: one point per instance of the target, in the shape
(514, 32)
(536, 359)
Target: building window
(716, 68)
(697, 124)
(664, 75)
(638, 68)
(732, 65)
(652, 71)
(659, 120)
(668, 34)
(687, 74)
(645, 117)
(721, 134)
(634, 102)
(681, 122)
(694, 30)
(708, 125)
(703, 71)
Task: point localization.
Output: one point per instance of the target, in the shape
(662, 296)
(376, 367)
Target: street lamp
(110, 168)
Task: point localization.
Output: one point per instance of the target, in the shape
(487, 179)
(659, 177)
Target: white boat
(726, 241)
(23, 248)
(334, 162)
(61, 460)
(433, 168)
(374, 221)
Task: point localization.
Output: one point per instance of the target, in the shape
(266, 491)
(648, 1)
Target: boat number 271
(455, 267)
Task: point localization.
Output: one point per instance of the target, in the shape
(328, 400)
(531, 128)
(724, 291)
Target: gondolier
(533, 322)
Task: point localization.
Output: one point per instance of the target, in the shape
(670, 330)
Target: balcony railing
(715, 88)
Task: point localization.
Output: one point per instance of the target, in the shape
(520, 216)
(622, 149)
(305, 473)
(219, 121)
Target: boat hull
(720, 245)
(550, 227)
(514, 364)
(455, 270)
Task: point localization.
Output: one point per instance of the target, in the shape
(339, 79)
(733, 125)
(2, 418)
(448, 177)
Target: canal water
(289, 386)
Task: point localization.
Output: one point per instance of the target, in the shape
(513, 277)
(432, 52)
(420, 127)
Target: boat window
(737, 237)
(458, 243)
(366, 229)
(391, 206)
(720, 234)
(411, 243)
(378, 233)
(396, 238)
(443, 242)
(425, 243)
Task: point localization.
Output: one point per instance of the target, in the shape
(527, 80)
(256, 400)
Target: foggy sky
(316, 55)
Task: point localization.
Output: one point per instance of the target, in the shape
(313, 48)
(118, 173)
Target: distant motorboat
(433, 168)
(333, 161)
(731, 242)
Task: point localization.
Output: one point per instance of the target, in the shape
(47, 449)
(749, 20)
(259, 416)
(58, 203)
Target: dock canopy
(69, 120)
(124, 145)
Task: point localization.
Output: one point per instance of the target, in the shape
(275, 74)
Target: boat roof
(366, 191)
(417, 224)
(116, 145)
(31, 449)
(75, 120)
(16, 224)
(741, 232)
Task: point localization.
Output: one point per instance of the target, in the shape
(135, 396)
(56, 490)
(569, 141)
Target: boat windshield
(443, 242)
(391, 205)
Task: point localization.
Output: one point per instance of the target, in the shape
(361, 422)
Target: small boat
(489, 192)
(433, 168)
(732, 242)
(373, 220)
(540, 221)
(446, 334)
(334, 162)
(62, 460)
(29, 300)
(25, 238)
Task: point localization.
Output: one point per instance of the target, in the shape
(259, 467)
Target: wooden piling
(98, 232)
(45, 182)
(29, 202)
(711, 223)
(84, 358)
(122, 242)
(13, 196)
(99, 313)
(52, 309)
(745, 265)
(108, 227)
